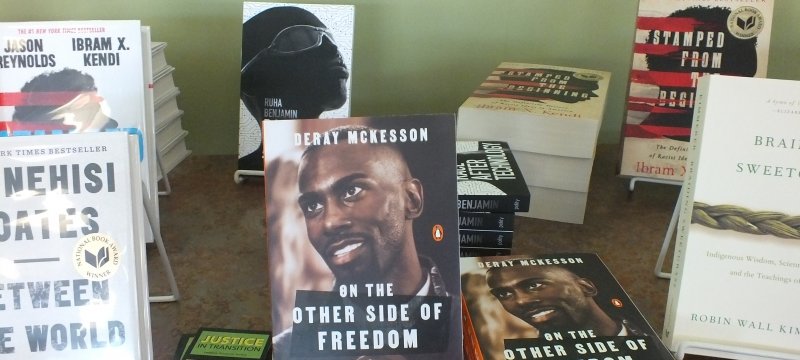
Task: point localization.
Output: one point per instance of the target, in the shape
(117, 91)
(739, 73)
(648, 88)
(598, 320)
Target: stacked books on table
(491, 189)
(551, 116)
(170, 134)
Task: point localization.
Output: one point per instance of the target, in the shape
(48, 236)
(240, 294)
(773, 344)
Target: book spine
(500, 203)
(472, 349)
(685, 202)
(485, 238)
(481, 252)
(486, 221)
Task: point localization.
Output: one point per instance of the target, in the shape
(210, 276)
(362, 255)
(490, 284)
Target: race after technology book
(363, 237)
(553, 306)
(485, 238)
(73, 281)
(496, 221)
(489, 178)
(296, 64)
(676, 43)
(737, 234)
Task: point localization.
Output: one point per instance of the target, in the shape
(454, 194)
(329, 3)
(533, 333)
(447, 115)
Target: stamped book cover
(538, 108)
(677, 42)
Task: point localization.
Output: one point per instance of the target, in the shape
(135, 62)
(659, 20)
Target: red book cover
(676, 43)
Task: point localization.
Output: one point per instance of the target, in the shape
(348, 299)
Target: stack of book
(170, 135)
(491, 189)
(551, 116)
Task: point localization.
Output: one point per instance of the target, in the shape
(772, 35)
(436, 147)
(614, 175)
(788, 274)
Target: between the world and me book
(73, 281)
(363, 237)
(551, 306)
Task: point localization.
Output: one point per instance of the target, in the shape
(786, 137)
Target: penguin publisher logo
(437, 232)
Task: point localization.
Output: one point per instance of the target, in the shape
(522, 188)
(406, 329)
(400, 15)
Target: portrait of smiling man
(555, 305)
(552, 298)
(359, 203)
(371, 220)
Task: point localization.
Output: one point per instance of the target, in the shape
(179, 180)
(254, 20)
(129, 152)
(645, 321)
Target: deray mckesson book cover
(677, 42)
(363, 244)
(555, 306)
(296, 63)
(489, 178)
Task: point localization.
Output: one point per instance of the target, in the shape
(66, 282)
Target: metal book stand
(238, 175)
(155, 223)
(673, 223)
(695, 347)
(729, 352)
(164, 178)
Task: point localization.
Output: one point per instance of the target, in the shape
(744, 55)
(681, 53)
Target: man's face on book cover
(297, 61)
(65, 100)
(550, 298)
(354, 200)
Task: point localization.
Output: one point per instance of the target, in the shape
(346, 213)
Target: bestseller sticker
(96, 256)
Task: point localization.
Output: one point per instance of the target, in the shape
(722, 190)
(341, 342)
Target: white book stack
(170, 134)
(550, 116)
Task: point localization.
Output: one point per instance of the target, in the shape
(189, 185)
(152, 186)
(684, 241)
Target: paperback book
(544, 109)
(183, 346)
(73, 279)
(489, 178)
(737, 235)
(476, 251)
(485, 238)
(363, 247)
(79, 76)
(676, 43)
(221, 344)
(555, 306)
(470, 220)
(296, 63)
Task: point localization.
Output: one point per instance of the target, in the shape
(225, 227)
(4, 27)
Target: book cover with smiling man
(362, 232)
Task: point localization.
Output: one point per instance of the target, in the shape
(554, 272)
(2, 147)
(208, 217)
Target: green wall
(410, 56)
